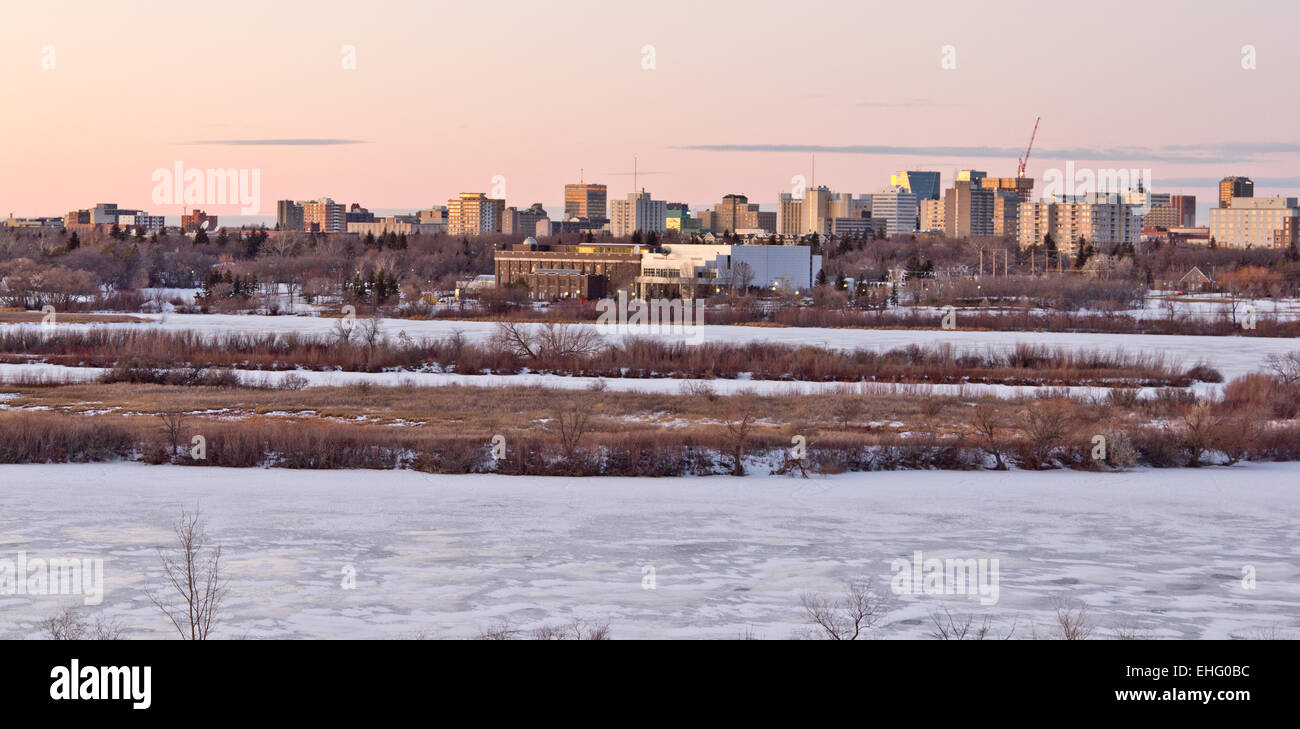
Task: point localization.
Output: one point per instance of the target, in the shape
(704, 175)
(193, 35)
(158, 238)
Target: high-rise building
(789, 215)
(324, 216)
(288, 215)
(975, 177)
(967, 210)
(734, 213)
(1006, 212)
(1230, 187)
(586, 201)
(897, 208)
(922, 183)
(1099, 223)
(1186, 207)
(817, 211)
(638, 213)
(931, 216)
(1021, 187)
(522, 222)
(1035, 222)
(473, 213)
(1248, 222)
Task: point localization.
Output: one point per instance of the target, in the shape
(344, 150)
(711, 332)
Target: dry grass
(596, 431)
(579, 352)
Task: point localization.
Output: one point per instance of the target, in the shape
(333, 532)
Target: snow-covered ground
(1233, 356)
(29, 373)
(448, 556)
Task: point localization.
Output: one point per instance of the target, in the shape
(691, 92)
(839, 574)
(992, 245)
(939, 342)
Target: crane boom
(1020, 169)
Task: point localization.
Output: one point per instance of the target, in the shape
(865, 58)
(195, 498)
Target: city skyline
(713, 100)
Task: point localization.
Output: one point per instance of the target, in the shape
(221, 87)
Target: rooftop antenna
(634, 174)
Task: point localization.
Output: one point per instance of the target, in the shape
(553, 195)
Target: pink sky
(445, 96)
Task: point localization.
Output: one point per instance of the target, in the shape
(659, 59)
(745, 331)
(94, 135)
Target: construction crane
(1020, 170)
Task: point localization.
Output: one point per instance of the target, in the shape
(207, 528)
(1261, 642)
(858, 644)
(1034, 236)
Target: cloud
(1260, 182)
(1180, 154)
(301, 142)
(912, 104)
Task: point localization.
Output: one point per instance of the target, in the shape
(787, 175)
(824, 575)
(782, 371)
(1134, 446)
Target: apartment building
(323, 216)
(931, 216)
(1035, 221)
(288, 215)
(639, 212)
(1006, 212)
(1249, 222)
(474, 213)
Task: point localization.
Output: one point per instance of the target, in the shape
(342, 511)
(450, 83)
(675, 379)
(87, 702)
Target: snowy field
(1233, 356)
(447, 556)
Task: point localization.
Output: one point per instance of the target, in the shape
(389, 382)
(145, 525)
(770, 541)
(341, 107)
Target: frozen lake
(446, 556)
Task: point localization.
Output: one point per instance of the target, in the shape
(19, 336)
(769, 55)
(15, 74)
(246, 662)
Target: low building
(197, 220)
(548, 269)
(694, 270)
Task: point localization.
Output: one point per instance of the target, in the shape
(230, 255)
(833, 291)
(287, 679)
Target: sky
(405, 104)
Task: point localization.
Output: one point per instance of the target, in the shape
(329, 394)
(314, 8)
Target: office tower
(967, 210)
(1230, 187)
(898, 208)
(922, 183)
(586, 201)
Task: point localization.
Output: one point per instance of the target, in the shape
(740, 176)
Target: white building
(898, 208)
(638, 213)
(695, 269)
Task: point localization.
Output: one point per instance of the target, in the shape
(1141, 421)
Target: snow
(17, 373)
(447, 556)
(1232, 356)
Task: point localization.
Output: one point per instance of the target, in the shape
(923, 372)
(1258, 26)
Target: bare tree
(742, 276)
(1285, 367)
(1073, 622)
(946, 627)
(193, 573)
(846, 619)
(740, 414)
(173, 422)
(570, 423)
(1045, 425)
(67, 624)
(988, 424)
